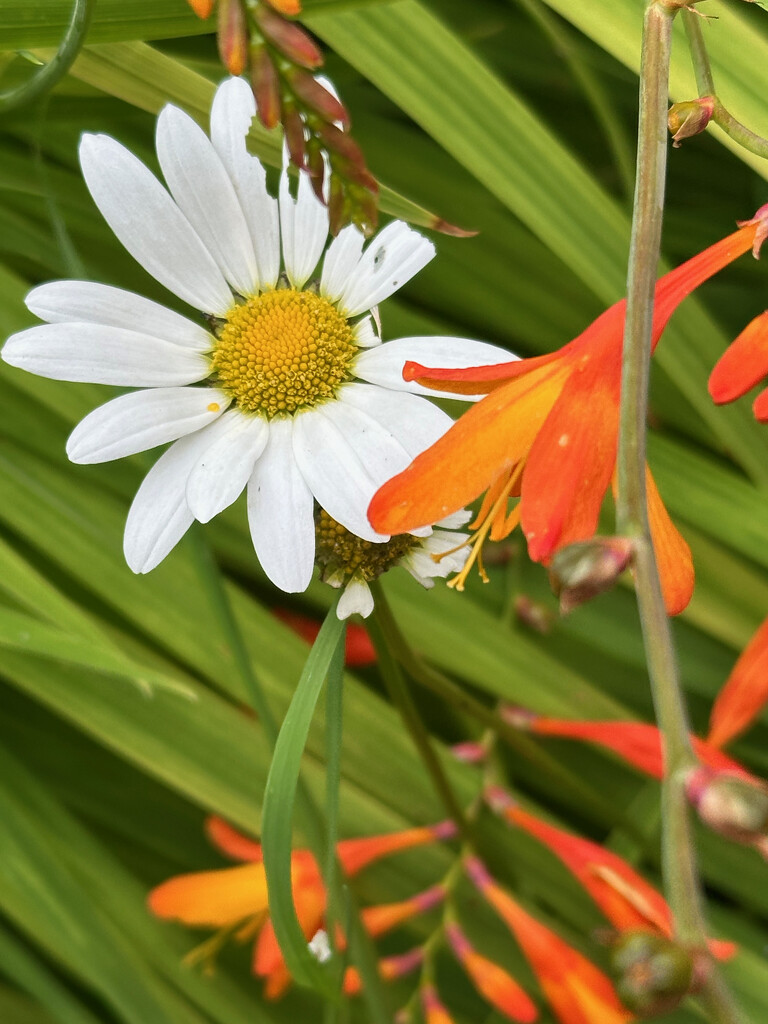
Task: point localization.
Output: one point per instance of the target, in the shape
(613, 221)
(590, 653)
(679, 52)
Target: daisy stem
(705, 83)
(678, 852)
(397, 687)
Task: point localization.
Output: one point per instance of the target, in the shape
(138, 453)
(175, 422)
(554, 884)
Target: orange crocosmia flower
(383, 918)
(638, 743)
(745, 691)
(743, 365)
(202, 8)
(236, 899)
(492, 982)
(547, 432)
(628, 901)
(578, 992)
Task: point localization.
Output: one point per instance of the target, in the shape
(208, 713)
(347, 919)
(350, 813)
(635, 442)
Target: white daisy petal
(366, 335)
(281, 513)
(456, 520)
(384, 364)
(415, 422)
(159, 516)
(226, 465)
(233, 110)
(340, 261)
(391, 259)
(103, 355)
(336, 466)
(304, 229)
(88, 302)
(204, 193)
(357, 599)
(150, 225)
(143, 420)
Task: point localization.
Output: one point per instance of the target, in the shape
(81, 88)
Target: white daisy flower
(287, 391)
(353, 562)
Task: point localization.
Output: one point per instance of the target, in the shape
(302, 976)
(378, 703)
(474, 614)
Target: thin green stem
(44, 79)
(401, 697)
(434, 680)
(678, 851)
(334, 724)
(705, 83)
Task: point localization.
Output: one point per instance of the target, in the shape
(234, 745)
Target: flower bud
(290, 39)
(286, 6)
(266, 86)
(295, 140)
(583, 570)
(730, 804)
(689, 118)
(533, 614)
(232, 36)
(202, 8)
(652, 973)
(314, 96)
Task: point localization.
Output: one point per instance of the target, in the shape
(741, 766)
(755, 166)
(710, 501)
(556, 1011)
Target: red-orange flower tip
(202, 8)
(743, 365)
(286, 6)
(745, 692)
(492, 982)
(761, 220)
(434, 1011)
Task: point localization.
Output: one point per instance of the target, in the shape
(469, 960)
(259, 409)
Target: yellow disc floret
(344, 556)
(283, 351)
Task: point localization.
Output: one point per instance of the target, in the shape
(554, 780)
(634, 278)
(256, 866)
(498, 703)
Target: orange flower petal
(474, 380)
(213, 898)
(490, 437)
(673, 556)
(745, 691)
(493, 983)
(637, 742)
(231, 842)
(383, 918)
(572, 459)
(760, 407)
(743, 364)
(355, 854)
(286, 6)
(202, 8)
(578, 991)
(434, 1011)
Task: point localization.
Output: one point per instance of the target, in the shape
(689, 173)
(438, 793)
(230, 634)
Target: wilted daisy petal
(357, 599)
(88, 302)
(142, 420)
(94, 354)
(150, 225)
(280, 513)
(204, 193)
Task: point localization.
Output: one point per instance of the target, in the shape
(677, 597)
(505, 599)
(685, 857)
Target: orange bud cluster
(281, 59)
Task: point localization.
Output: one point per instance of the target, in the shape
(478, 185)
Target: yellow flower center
(283, 351)
(342, 556)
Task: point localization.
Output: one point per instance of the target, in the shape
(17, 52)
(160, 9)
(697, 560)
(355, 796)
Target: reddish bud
(318, 99)
(232, 36)
(315, 167)
(583, 570)
(653, 974)
(690, 118)
(289, 39)
(469, 752)
(730, 804)
(294, 135)
(266, 86)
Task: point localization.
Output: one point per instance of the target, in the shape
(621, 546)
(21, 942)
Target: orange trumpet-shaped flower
(235, 899)
(390, 967)
(578, 992)
(434, 1010)
(743, 365)
(638, 743)
(492, 982)
(547, 432)
(744, 694)
(383, 918)
(628, 901)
